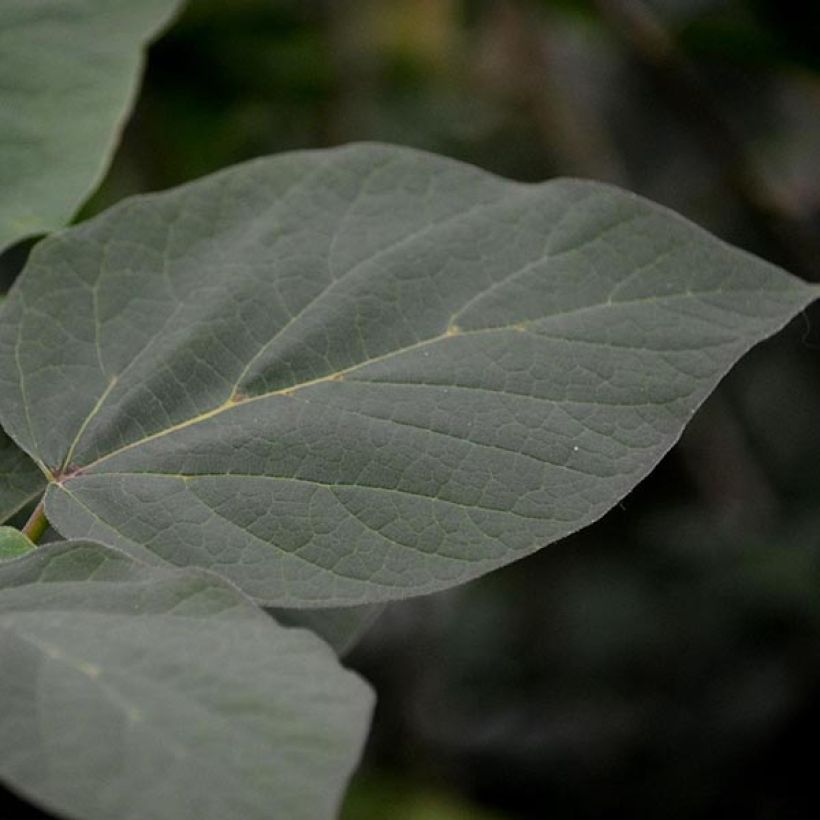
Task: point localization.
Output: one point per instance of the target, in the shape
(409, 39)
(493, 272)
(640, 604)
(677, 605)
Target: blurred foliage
(666, 662)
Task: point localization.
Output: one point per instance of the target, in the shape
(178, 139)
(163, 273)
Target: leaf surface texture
(134, 691)
(345, 376)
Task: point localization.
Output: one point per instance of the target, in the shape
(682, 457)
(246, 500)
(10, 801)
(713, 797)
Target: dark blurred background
(664, 663)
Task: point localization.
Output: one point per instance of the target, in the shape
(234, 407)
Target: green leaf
(134, 691)
(70, 72)
(13, 543)
(346, 376)
(21, 482)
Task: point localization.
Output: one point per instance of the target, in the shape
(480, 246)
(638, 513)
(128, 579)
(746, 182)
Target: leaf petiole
(37, 523)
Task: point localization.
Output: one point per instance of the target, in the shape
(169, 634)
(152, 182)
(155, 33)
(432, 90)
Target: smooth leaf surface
(134, 691)
(359, 374)
(70, 70)
(21, 482)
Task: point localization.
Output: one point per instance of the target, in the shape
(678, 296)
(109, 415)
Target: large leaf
(364, 373)
(70, 69)
(134, 691)
(21, 482)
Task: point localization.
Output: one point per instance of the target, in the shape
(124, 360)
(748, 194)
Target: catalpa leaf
(352, 375)
(21, 482)
(70, 70)
(134, 691)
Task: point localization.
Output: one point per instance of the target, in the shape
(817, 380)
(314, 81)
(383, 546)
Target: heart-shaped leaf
(21, 482)
(70, 70)
(134, 691)
(359, 374)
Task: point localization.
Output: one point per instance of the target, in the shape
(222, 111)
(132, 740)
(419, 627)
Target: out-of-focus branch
(769, 207)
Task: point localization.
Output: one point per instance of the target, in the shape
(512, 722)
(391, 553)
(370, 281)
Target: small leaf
(134, 691)
(21, 482)
(346, 376)
(13, 543)
(70, 72)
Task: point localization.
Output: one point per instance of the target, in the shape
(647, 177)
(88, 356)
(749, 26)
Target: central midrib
(450, 333)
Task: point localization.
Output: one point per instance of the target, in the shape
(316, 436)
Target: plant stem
(37, 523)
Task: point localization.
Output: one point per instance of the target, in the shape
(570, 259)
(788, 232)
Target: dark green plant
(314, 382)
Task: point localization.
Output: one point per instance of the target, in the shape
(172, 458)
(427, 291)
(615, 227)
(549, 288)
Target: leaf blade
(21, 482)
(368, 372)
(71, 71)
(125, 685)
